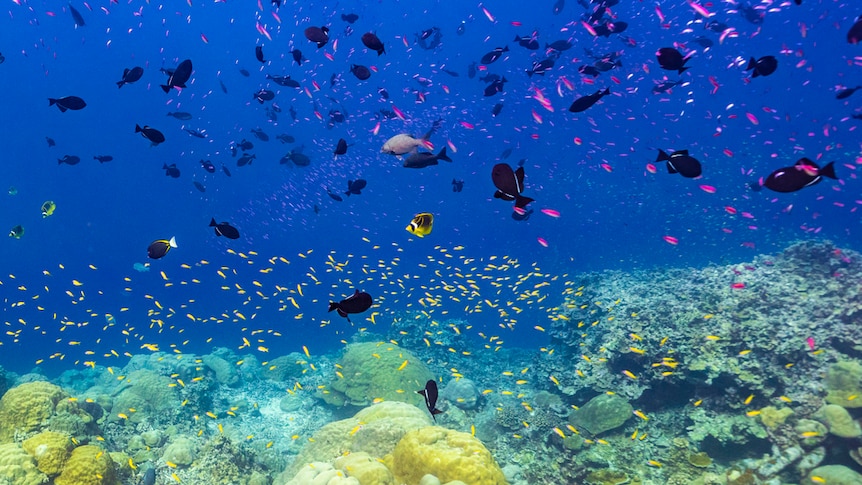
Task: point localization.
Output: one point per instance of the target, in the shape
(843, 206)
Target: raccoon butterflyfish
(421, 224)
(48, 208)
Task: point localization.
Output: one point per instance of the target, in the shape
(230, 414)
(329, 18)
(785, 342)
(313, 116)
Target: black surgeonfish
(680, 162)
(494, 55)
(318, 35)
(764, 66)
(155, 136)
(585, 102)
(425, 159)
(130, 76)
(179, 76)
(160, 247)
(803, 174)
(355, 186)
(73, 103)
(430, 395)
(371, 41)
(355, 303)
(224, 229)
(509, 184)
(671, 59)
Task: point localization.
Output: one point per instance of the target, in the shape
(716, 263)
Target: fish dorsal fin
(682, 152)
(806, 161)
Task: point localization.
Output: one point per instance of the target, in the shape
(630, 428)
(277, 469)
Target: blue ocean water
(591, 167)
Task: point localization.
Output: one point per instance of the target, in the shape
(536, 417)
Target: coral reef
(17, 467)
(371, 372)
(88, 465)
(51, 451)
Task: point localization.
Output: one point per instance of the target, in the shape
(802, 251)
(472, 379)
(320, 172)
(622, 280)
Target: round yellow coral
(88, 465)
(25, 408)
(50, 449)
(17, 467)
(447, 454)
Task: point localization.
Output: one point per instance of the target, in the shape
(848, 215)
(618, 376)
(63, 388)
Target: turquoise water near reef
(73, 298)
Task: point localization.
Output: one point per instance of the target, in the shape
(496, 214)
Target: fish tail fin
(517, 38)
(751, 64)
(756, 74)
(443, 156)
(682, 69)
(347, 193)
(332, 306)
(59, 161)
(662, 156)
(51, 101)
(137, 128)
(213, 222)
(606, 92)
(173, 242)
(120, 84)
(829, 171)
(521, 201)
(529, 73)
(166, 89)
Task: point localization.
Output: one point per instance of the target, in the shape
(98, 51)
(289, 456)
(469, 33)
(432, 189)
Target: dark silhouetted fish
(541, 67)
(50, 141)
(457, 185)
(361, 72)
(497, 109)
(350, 17)
(495, 87)
(764, 66)
(430, 395)
(285, 138)
(171, 170)
(803, 174)
(260, 135)
(587, 70)
(195, 133)
(224, 229)
(355, 303)
(264, 95)
(103, 158)
(130, 76)
(559, 5)
(199, 186)
(73, 103)
(680, 162)
(318, 35)
(68, 160)
(155, 136)
(76, 16)
(355, 187)
(225, 170)
(846, 93)
(559, 45)
(671, 59)
(245, 145)
(585, 102)
(854, 35)
(245, 160)
(285, 81)
(371, 41)
(495, 54)
(208, 166)
(608, 28)
(509, 184)
(297, 56)
(340, 147)
(180, 115)
(179, 76)
(665, 86)
(425, 159)
(258, 53)
(528, 42)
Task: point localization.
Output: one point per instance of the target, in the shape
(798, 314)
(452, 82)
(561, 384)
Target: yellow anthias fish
(421, 224)
(48, 208)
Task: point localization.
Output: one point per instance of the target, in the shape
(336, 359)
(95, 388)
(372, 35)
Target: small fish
(130, 76)
(48, 208)
(68, 160)
(245, 145)
(495, 87)
(340, 147)
(559, 45)
(180, 115)
(208, 166)
(160, 247)
(430, 395)
(332, 195)
(260, 135)
(201, 188)
(764, 66)
(497, 109)
(421, 225)
(846, 93)
(224, 229)
(361, 72)
(155, 136)
(285, 81)
(355, 303)
(457, 185)
(50, 142)
(171, 170)
(17, 232)
(73, 103)
(527, 42)
(425, 159)
(76, 16)
(680, 162)
(263, 95)
(258, 54)
(225, 170)
(349, 18)
(297, 56)
(854, 35)
(103, 158)
(541, 67)
(195, 133)
(245, 160)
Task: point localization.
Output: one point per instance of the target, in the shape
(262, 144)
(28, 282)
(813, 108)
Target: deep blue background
(108, 213)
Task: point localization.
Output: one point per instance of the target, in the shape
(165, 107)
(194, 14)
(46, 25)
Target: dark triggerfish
(509, 184)
(356, 303)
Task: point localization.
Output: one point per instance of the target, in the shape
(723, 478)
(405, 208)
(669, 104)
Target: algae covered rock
(833, 475)
(88, 465)
(772, 417)
(844, 384)
(606, 476)
(839, 421)
(377, 371)
(17, 467)
(447, 454)
(602, 413)
(50, 449)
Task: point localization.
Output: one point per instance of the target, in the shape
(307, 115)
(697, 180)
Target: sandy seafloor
(740, 374)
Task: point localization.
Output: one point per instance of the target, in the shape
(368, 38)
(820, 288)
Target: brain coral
(88, 465)
(377, 370)
(17, 467)
(447, 454)
(50, 449)
(26, 408)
